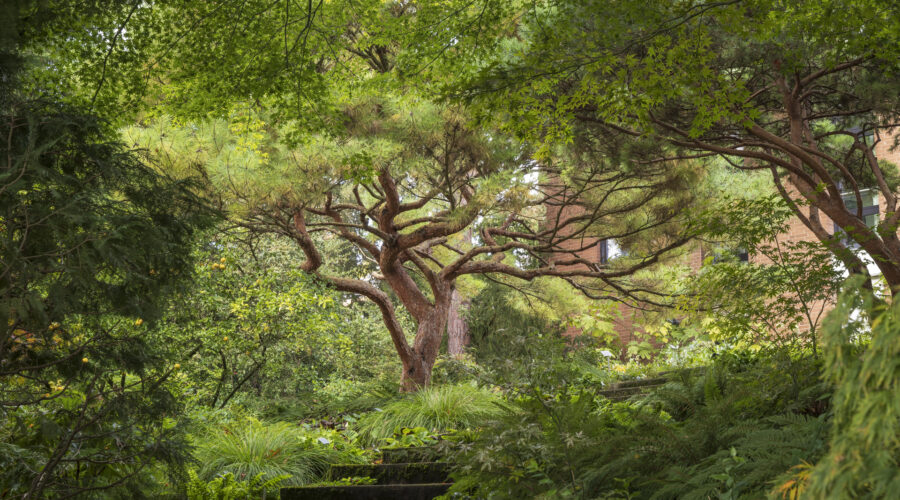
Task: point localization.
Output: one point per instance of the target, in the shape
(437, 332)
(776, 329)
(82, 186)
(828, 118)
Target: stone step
(409, 455)
(402, 473)
(366, 492)
(618, 392)
(643, 382)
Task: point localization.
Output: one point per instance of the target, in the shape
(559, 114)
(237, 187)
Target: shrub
(272, 450)
(435, 408)
(731, 432)
(340, 398)
(865, 441)
(227, 487)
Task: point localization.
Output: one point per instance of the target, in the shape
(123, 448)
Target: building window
(869, 209)
(726, 254)
(608, 249)
(603, 249)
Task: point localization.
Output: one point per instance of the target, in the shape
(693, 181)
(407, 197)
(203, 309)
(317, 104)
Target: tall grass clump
(436, 408)
(252, 447)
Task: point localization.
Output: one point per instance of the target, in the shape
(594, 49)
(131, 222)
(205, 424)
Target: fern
(732, 432)
(226, 487)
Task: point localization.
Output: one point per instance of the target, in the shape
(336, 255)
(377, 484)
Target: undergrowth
(436, 408)
(250, 448)
(737, 430)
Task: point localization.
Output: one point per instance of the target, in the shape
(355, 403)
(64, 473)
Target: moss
(408, 473)
(412, 454)
(366, 492)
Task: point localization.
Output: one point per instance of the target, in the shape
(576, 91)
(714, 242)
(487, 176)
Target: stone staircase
(412, 473)
(404, 474)
(621, 391)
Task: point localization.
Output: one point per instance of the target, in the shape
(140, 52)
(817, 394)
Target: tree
(259, 329)
(780, 297)
(328, 129)
(805, 91)
(91, 241)
(407, 180)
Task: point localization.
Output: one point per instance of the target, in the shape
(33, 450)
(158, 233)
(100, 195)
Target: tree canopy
(804, 91)
(225, 225)
(424, 196)
(93, 242)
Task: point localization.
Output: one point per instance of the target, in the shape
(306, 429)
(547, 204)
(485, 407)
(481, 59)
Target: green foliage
(249, 448)
(69, 192)
(516, 342)
(264, 333)
(227, 487)
(348, 481)
(326, 109)
(679, 83)
(863, 452)
(726, 433)
(386, 134)
(92, 240)
(780, 297)
(496, 315)
(405, 437)
(632, 63)
(517, 361)
(341, 401)
(435, 408)
(68, 51)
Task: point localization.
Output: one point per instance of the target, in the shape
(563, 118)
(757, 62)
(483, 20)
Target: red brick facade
(796, 232)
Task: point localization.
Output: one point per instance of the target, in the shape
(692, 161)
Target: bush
(268, 337)
(730, 432)
(862, 361)
(228, 488)
(436, 408)
(341, 398)
(93, 242)
(273, 450)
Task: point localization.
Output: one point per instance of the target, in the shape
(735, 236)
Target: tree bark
(416, 374)
(429, 334)
(417, 367)
(457, 327)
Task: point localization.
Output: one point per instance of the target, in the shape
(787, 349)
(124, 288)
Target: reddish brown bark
(429, 334)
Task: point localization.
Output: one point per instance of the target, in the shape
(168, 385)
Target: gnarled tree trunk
(418, 363)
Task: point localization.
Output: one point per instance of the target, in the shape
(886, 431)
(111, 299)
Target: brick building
(600, 251)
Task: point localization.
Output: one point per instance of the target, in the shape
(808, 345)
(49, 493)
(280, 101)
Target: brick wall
(588, 248)
(585, 247)
(796, 232)
(884, 149)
